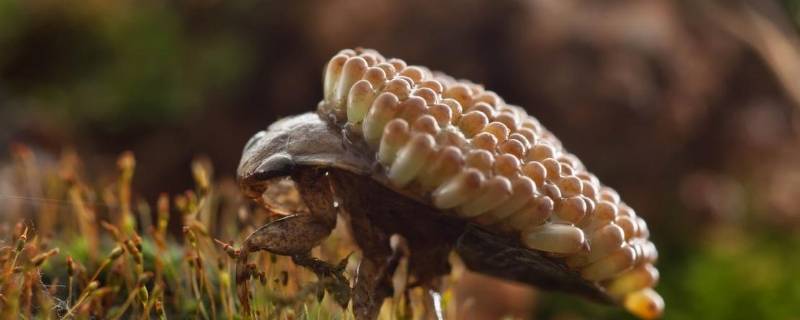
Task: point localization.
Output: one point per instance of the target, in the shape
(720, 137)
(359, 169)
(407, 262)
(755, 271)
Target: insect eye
(279, 165)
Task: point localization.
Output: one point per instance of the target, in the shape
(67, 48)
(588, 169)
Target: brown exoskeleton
(421, 165)
(326, 170)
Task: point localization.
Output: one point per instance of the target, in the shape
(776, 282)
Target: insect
(419, 164)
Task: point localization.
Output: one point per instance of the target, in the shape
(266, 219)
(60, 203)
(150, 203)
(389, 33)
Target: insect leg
(296, 234)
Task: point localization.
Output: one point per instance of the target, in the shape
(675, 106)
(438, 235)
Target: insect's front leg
(288, 236)
(292, 236)
(297, 234)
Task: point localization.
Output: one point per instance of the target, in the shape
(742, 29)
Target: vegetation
(84, 252)
(688, 108)
(88, 252)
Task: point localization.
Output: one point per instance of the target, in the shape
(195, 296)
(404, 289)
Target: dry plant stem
(81, 300)
(224, 280)
(10, 271)
(196, 291)
(194, 263)
(127, 165)
(46, 300)
(69, 291)
(159, 305)
(163, 316)
(150, 302)
(202, 278)
(12, 268)
(20, 246)
(162, 268)
(105, 264)
(224, 276)
(86, 218)
(25, 297)
(127, 304)
(206, 284)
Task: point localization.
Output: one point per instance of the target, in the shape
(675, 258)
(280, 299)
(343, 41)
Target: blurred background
(690, 109)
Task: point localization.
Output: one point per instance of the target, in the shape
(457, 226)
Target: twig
(89, 289)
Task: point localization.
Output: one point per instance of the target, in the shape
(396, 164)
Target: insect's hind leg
(373, 281)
